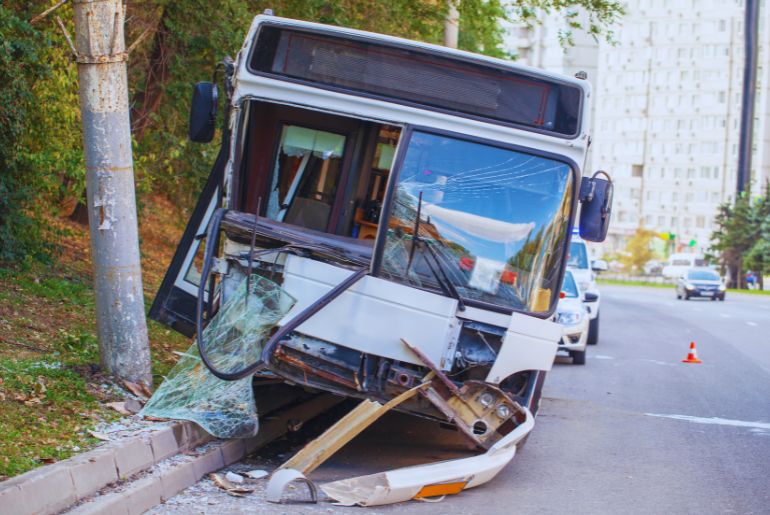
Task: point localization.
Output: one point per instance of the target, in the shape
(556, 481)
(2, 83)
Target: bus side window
(306, 177)
(369, 205)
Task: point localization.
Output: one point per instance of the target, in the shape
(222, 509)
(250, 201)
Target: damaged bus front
(384, 217)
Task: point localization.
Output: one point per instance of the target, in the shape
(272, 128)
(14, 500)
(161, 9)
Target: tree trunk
(149, 101)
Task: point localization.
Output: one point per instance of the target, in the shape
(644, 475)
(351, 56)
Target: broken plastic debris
(445, 477)
(257, 474)
(228, 486)
(234, 478)
(233, 338)
(282, 478)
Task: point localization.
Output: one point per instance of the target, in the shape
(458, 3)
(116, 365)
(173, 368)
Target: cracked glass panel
(233, 339)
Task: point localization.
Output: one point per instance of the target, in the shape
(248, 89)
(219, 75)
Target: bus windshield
(493, 222)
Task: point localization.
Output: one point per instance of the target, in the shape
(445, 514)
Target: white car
(584, 271)
(573, 317)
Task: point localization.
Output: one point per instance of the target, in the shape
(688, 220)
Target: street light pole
(452, 24)
(102, 72)
(751, 31)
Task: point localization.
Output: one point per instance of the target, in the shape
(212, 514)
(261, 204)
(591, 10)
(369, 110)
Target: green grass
(622, 282)
(47, 409)
(50, 380)
(633, 283)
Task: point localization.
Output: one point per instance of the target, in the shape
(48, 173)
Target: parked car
(584, 271)
(700, 282)
(574, 320)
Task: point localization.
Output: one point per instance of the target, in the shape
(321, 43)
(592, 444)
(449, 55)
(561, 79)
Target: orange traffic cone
(692, 356)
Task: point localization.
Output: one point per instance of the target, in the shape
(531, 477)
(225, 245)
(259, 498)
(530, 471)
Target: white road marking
(752, 324)
(715, 421)
(599, 356)
(657, 362)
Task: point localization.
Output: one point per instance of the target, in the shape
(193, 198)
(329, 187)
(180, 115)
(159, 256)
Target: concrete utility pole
(452, 24)
(751, 34)
(101, 59)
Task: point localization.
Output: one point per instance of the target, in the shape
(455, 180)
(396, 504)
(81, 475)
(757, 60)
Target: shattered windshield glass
(493, 222)
(232, 340)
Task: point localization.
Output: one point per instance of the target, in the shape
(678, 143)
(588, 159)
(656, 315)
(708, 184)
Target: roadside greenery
(741, 240)
(638, 251)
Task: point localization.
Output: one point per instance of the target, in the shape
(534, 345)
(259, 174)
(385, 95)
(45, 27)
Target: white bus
(678, 264)
(394, 191)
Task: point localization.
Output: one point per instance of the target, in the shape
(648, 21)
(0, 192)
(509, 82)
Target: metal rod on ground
(101, 60)
(751, 30)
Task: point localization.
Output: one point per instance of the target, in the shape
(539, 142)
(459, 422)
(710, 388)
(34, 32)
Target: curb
(53, 488)
(135, 474)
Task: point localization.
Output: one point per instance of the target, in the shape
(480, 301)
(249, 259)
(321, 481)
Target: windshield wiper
(446, 283)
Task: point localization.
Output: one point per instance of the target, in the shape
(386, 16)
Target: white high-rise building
(667, 106)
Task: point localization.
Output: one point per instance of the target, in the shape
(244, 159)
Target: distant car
(700, 282)
(571, 314)
(584, 271)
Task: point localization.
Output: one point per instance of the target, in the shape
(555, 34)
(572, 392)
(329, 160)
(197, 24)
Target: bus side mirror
(203, 112)
(596, 197)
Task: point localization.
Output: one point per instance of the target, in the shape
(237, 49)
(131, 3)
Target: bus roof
(257, 79)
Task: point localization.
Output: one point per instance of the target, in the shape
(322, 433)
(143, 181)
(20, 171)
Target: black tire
(713, 299)
(722, 298)
(686, 297)
(678, 297)
(578, 357)
(593, 331)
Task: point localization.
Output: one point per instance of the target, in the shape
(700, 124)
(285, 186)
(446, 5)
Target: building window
(700, 222)
(637, 170)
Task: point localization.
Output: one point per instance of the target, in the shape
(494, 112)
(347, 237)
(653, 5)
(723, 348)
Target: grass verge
(52, 390)
(621, 282)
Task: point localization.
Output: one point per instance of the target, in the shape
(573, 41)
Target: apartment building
(667, 104)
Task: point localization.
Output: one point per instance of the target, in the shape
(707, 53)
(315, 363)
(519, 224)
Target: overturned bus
(386, 220)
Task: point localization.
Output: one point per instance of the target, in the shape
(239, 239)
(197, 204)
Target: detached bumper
(446, 477)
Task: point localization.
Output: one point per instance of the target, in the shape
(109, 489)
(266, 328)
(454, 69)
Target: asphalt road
(632, 431)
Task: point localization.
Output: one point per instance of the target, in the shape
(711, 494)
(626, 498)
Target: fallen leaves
(140, 390)
(99, 436)
(127, 407)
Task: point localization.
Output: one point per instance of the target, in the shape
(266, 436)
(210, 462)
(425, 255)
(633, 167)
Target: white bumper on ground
(451, 476)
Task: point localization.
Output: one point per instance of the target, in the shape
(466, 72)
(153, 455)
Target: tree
(758, 256)
(638, 250)
(735, 234)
